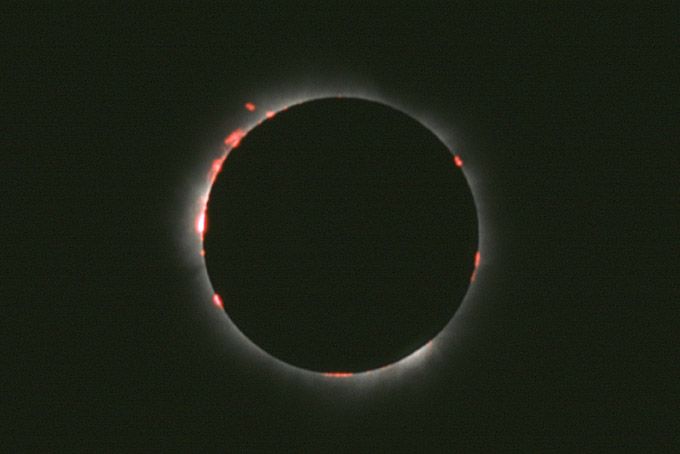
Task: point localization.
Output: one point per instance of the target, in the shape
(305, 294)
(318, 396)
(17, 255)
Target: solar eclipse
(339, 234)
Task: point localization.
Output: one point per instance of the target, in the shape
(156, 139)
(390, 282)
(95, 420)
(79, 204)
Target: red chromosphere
(215, 169)
(338, 374)
(234, 138)
(232, 141)
(478, 259)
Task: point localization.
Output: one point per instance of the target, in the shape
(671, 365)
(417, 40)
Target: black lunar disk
(341, 235)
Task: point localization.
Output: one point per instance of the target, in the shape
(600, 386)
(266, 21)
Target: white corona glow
(191, 244)
(200, 223)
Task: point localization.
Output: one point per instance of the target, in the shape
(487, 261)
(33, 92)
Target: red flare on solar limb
(338, 374)
(478, 259)
(250, 106)
(217, 299)
(270, 114)
(234, 138)
(217, 164)
(215, 169)
(457, 161)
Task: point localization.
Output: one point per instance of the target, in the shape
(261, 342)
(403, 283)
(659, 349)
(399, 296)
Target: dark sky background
(566, 119)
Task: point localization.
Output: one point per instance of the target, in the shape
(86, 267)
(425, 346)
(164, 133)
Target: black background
(567, 121)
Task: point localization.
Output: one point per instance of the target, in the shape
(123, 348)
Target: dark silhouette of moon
(341, 235)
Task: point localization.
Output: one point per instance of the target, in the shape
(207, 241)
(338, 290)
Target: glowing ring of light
(199, 225)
